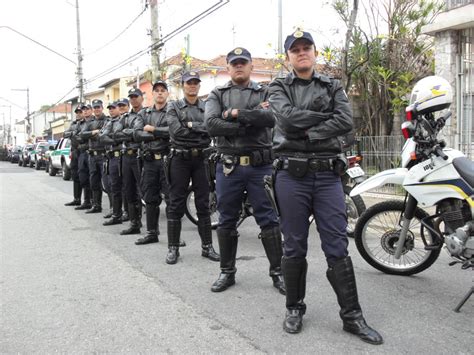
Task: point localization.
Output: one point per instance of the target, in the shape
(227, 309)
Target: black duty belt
(96, 152)
(188, 153)
(315, 165)
(131, 152)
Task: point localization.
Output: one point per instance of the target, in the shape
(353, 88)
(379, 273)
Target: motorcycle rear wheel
(191, 212)
(355, 206)
(376, 237)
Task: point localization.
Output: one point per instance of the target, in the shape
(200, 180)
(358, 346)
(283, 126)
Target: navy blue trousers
(84, 169)
(131, 176)
(182, 171)
(320, 194)
(96, 168)
(153, 183)
(230, 193)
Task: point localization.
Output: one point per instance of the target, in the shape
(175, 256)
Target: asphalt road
(68, 284)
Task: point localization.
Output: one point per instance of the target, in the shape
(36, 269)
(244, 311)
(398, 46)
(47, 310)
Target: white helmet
(431, 94)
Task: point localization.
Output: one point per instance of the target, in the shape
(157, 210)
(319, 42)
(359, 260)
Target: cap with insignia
(86, 107)
(135, 92)
(123, 101)
(78, 108)
(295, 36)
(160, 83)
(189, 75)
(238, 53)
(112, 104)
(97, 103)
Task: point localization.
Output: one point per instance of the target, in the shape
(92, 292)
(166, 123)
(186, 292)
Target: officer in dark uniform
(69, 133)
(238, 115)
(96, 154)
(124, 106)
(313, 115)
(113, 148)
(188, 137)
(83, 160)
(131, 122)
(155, 145)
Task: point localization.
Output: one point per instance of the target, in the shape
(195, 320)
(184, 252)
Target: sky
(252, 24)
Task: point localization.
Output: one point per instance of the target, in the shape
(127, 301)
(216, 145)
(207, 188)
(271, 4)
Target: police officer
(69, 133)
(113, 148)
(238, 115)
(312, 113)
(188, 137)
(131, 122)
(83, 160)
(96, 154)
(124, 106)
(155, 138)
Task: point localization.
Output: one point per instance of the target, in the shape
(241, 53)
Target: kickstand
(465, 298)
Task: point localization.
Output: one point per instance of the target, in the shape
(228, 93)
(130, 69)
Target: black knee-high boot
(205, 232)
(174, 231)
(294, 274)
(342, 279)
(271, 240)
(228, 240)
(151, 236)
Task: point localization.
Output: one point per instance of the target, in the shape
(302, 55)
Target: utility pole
(28, 127)
(10, 126)
(280, 47)
(79, 56)
(155, 37)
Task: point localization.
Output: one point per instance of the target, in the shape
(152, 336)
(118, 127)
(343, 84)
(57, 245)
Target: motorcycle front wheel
(376, 235)
(191, 212)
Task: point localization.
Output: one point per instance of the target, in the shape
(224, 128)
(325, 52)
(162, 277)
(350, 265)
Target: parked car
(37, 153)
(25, 155)
(60, 159)
(15, 154)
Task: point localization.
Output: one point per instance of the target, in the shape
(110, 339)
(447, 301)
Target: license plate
(355, 172)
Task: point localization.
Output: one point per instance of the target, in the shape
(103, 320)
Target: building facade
(453, 31)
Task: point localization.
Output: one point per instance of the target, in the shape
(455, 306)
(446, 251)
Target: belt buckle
(116, 154)
(157, 156)
(194, 152)
(244, 160)
(130, 151)
(314, 164)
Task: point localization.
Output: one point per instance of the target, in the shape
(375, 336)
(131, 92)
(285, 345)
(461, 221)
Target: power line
(121, 33)
(162, 41)
(40, 44)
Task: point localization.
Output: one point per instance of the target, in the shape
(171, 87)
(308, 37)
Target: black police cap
(135, 92)
(86, 107)
(123, 101)
(295, 36)
(189, 75)
(239, 53)
(112, 104)
(158, 83)
(97, 102)
(78, 108)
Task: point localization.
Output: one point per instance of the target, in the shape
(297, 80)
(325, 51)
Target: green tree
(381, 61)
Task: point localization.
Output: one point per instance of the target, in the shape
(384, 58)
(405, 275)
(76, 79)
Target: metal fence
(381, 153)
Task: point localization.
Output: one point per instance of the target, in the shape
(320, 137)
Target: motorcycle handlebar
(439, 152)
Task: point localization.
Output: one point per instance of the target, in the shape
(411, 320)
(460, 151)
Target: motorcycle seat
(465, 168)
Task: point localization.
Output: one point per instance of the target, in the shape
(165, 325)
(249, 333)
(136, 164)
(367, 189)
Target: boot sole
(208, 257)
(130, 233)
(292, 331)
(364, 340)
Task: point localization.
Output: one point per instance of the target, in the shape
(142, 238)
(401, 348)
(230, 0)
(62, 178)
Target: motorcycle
(355, 205)
(400, 238)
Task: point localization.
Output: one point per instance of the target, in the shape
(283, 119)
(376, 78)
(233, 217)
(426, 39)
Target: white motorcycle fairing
(392, 176)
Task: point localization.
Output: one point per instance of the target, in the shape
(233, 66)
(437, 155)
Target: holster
(167, 167)
(210, 165)
(269, 185)
(106, 166)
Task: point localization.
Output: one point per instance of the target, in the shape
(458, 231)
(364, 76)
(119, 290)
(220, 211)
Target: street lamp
(28, 127)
